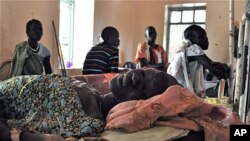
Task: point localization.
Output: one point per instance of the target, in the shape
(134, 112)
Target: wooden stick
(59, 52)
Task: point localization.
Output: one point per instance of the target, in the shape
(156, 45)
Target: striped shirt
(101, 59)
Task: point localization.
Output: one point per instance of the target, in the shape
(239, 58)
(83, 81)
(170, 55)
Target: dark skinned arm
(108, 102)
(220, 70)
(47, 65)
(144, 63)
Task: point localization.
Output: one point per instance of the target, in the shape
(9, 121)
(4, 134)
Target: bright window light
(76, 30)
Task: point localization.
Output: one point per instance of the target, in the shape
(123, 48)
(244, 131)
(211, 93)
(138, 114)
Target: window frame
(181, 9)
(74, 33)
(71, 23)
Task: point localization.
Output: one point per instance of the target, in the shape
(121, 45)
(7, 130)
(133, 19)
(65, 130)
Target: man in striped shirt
(103, 57)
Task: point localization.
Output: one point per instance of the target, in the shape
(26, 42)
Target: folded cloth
(176, 107)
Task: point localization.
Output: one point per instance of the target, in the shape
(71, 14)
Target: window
(66, 28)
(76, 30)
(178, 19)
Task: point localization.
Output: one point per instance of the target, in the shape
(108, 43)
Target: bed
(157, 132)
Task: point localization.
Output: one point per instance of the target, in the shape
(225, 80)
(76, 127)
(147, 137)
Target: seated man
(64, 106)
(150, 54)
(104, 57)
(189, 63)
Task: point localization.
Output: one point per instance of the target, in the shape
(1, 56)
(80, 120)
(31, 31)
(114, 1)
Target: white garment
(189, 75)
(43, 51)
(158, 54)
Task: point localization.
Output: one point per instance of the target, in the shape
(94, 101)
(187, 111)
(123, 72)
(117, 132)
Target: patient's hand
(15, 135)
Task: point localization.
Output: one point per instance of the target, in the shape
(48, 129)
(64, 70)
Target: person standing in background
(31, 57)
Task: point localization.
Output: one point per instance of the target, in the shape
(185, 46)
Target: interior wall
(15, 14)
(132, 17)
(129, 17)
(121, 15)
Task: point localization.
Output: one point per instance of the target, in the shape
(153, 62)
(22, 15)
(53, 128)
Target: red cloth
(180, 108)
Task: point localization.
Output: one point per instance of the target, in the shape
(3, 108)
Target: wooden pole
(59, 52)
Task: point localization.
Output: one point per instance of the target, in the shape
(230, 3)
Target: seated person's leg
(4, 131)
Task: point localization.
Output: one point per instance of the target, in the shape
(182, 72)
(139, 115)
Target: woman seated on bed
(56, 105)
(188, 64)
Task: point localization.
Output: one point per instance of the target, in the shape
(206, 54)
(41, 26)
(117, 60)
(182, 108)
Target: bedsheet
(156, 133)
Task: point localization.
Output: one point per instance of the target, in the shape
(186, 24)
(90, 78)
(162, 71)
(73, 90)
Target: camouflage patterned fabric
(46, 104)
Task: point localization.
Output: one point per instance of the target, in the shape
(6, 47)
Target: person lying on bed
(57, 105)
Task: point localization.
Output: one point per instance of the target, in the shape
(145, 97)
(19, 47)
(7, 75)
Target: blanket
(176, 107)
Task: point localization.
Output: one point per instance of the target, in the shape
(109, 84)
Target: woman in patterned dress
(54, 105)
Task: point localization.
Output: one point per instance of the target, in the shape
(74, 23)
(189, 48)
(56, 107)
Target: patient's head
(197, 35)
(150, 35)
(34, 30)
(140, 84)
(110, 36)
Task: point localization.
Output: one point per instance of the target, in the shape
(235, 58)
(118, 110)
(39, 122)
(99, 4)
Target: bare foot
(15, 135)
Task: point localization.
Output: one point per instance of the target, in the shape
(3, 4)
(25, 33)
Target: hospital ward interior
(124, 70)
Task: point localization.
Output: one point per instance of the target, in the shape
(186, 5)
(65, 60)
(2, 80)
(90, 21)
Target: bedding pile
(176, 107)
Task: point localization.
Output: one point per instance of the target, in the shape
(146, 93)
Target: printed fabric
(28, 62)
(46, 104)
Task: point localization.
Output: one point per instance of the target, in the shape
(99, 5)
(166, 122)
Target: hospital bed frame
(241, 94)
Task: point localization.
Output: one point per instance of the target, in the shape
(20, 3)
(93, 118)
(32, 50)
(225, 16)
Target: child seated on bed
(54, 105)
(188, 64)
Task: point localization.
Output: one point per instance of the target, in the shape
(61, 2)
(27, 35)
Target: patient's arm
(90, 100)
(108, 101)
